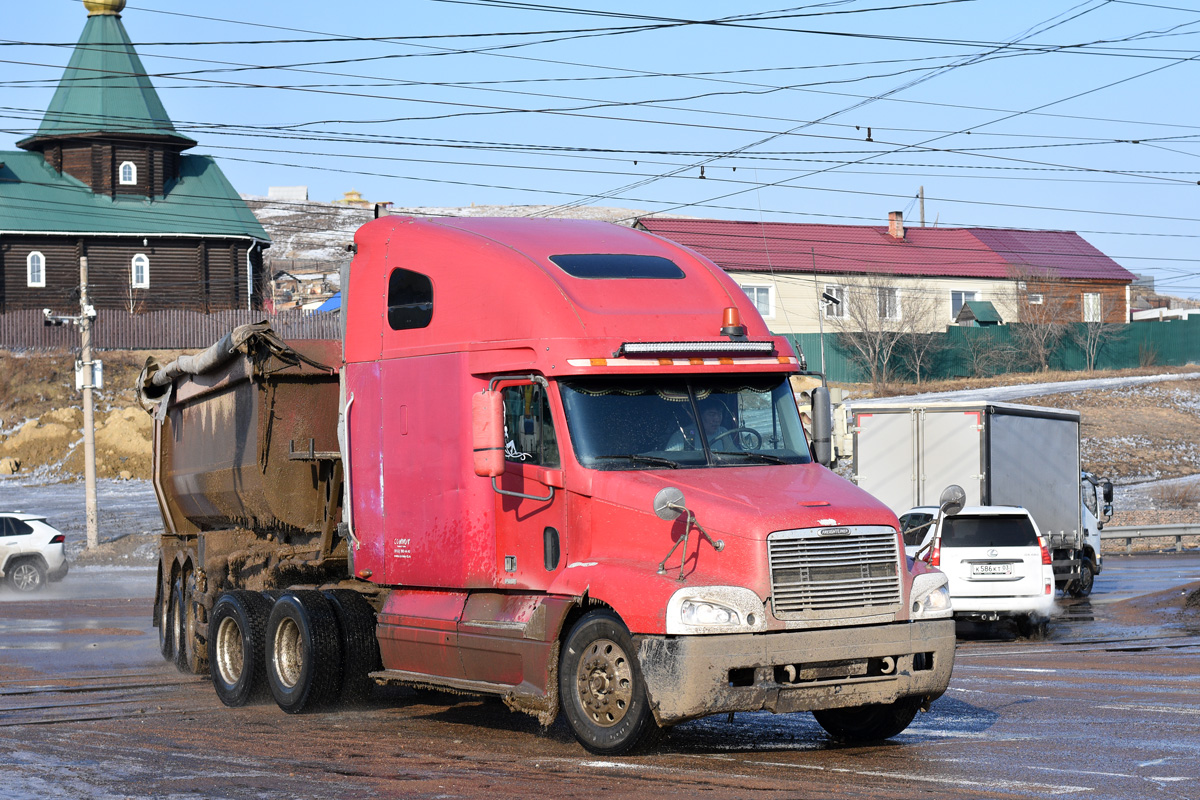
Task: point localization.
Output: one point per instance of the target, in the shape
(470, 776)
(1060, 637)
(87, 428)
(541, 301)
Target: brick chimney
(896, 224)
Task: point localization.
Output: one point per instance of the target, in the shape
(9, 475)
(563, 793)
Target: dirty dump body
(591, 494)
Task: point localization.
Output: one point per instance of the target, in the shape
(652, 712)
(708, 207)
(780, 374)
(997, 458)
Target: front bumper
(693, 676)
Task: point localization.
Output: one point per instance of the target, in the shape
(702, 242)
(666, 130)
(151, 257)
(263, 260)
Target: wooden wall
(198, 274)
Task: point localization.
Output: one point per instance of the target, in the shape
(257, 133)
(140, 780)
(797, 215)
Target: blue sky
(1072, 115)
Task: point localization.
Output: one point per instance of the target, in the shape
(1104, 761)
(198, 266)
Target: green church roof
(105, 89)
(34, 198)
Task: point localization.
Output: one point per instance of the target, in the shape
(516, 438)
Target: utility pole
(86, 314)
(921, 194)
(86, 374)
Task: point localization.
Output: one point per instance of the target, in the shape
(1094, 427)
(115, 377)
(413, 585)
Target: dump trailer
(558, 462)
(1002, 454)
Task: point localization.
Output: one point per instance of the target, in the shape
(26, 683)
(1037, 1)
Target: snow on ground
(1001, 394)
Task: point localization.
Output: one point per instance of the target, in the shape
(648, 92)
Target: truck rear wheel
(191, 655)
(166, 639)
(360, 648)
(872, 723)
(236, 647)
(601, 686)
(304, 655)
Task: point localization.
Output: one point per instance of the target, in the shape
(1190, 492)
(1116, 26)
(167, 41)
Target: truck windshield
(659, 423)
(990, 531)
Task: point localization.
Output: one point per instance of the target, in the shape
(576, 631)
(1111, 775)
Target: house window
(1091, 307)
(761, 296)
(35, 270)
(958, 298)
(834, 310)
(888, 302)
(1036, 299)
(140, 272)
(128, 174)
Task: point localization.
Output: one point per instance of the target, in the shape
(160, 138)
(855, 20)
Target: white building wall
(793, 297)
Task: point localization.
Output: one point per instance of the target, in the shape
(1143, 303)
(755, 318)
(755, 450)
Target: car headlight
(931, 596)
(715, 609)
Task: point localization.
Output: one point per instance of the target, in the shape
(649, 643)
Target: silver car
(32, 552)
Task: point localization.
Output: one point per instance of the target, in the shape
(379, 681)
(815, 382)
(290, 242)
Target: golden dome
(95, 7)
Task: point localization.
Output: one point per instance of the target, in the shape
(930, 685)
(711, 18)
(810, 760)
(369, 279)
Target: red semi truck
(555, 461)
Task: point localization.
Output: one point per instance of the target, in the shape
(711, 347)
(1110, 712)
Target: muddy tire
(303, 657)
(26, 576)
(191, 654)
(237, 641)
(360, 648)
(872, 723)
(1082, 586)
(601, 688)
(178, 625)
(1031, 626)
(166, 640)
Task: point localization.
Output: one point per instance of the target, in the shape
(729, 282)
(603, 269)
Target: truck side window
(529, 436)
(409, 300)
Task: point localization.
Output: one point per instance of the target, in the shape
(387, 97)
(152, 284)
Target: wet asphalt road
(1107, 707)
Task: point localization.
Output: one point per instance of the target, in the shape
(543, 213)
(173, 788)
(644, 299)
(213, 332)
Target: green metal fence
(1158, 343)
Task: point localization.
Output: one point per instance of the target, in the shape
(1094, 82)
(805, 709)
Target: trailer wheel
(601, 686)
(236, 646)
(166, 640)
(360, 648)
(1082, 586)
(191, 656)
(871, 723)
(303, 656)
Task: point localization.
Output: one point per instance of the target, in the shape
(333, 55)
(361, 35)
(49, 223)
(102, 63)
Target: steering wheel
(758, 439)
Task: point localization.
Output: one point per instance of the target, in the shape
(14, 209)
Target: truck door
(531, 532)
(951, 453)
(885, 457)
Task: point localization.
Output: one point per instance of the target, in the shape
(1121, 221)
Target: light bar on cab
(667, 348)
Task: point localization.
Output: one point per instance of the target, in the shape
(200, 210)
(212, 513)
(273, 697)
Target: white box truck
(1002, 454)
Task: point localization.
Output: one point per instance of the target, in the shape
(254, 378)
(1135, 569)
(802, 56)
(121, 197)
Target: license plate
(991, 569)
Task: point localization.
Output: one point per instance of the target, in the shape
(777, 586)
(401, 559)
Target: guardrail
(1131, 532)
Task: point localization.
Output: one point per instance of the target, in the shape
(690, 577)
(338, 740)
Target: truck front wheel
(236, 646)
(872, 723)
(304, 656)
(1082, 586)
(600, 683)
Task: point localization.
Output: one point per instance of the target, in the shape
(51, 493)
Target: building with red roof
(920, 274)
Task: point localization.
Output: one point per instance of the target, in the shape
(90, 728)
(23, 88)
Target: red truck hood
(750, 501)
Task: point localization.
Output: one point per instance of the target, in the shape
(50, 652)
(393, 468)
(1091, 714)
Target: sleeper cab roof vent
(610, 266)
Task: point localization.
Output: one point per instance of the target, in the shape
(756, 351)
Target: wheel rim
(604, 679)
(26, 578)
(230, 654)
(288, 658)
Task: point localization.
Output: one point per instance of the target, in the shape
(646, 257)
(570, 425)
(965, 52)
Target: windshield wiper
(640, 459)
(767, 457)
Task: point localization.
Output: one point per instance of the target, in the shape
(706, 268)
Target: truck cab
(615, 369)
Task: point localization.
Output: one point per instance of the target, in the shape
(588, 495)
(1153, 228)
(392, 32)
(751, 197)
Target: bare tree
(869, 324)
(985, 352)
(1093, 337)
(1044, 309)
(923, 336)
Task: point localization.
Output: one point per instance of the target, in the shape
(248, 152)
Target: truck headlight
(715, 609)
(931, 596)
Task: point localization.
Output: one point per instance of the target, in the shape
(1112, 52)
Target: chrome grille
(819, 570)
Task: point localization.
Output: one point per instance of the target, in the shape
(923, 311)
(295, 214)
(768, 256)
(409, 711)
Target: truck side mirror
(1107, 489)
(952, 500)
(822, 426)
(487, 433)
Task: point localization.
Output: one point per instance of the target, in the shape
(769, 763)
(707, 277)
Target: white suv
(32, 552)
(998, 565)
